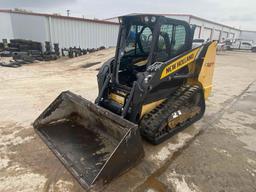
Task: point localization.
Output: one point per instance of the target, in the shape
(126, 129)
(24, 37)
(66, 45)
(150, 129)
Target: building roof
(209, 21)
(106, 21)
(185, 15)
(249, 31)
(58, 16)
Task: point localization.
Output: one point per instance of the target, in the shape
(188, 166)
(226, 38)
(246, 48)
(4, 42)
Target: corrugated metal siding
(29, 27)
(71, 32)
(66, 32)
(6, 31)
(82, 34)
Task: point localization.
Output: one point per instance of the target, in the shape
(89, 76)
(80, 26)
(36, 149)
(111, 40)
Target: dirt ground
(217, 153)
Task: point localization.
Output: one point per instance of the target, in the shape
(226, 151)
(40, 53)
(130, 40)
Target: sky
(236, 13)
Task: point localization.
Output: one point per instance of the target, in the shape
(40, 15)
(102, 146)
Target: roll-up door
(197, 32)
(216, 35)
(224, 35)
(231, 35)
(207, 33)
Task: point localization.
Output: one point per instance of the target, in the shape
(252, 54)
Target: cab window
(171, 42)
(138, 41)
(180, 38)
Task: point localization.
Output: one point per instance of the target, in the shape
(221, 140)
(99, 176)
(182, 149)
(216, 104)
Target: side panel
(179, 63)
(164, 83)
(206, 73)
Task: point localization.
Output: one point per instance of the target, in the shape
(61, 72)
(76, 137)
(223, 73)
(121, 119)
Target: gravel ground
(221, 158)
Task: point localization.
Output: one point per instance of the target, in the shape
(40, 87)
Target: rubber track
(153, 125)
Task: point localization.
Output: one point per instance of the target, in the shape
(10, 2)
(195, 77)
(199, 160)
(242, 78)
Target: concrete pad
(156, 158)
(28, 165)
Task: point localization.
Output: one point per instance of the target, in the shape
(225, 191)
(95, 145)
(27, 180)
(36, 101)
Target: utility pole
(68, 12)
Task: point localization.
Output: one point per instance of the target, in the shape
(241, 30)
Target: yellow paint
(179, 63)
(117, 98)
(206, 73)
(148, 107)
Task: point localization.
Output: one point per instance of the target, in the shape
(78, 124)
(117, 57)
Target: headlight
(147, 79)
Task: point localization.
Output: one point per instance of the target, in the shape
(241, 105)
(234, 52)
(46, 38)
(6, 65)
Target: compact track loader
(154, 87)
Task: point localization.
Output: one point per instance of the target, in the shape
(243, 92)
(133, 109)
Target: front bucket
(93, 143)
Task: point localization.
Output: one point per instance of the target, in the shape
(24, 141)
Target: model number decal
(179, 63)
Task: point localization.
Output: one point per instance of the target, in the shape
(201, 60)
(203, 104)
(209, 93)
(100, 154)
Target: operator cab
(147, 39)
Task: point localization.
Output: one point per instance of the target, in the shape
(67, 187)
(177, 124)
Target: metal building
(205, 29)
(87, 33)
(67, 31)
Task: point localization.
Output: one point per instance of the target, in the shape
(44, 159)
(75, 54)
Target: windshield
(135, 49)
(138, 40)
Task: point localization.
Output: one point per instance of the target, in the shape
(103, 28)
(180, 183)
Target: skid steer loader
(154, 87)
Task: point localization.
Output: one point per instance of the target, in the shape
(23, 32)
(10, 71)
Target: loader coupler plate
(94, 144)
